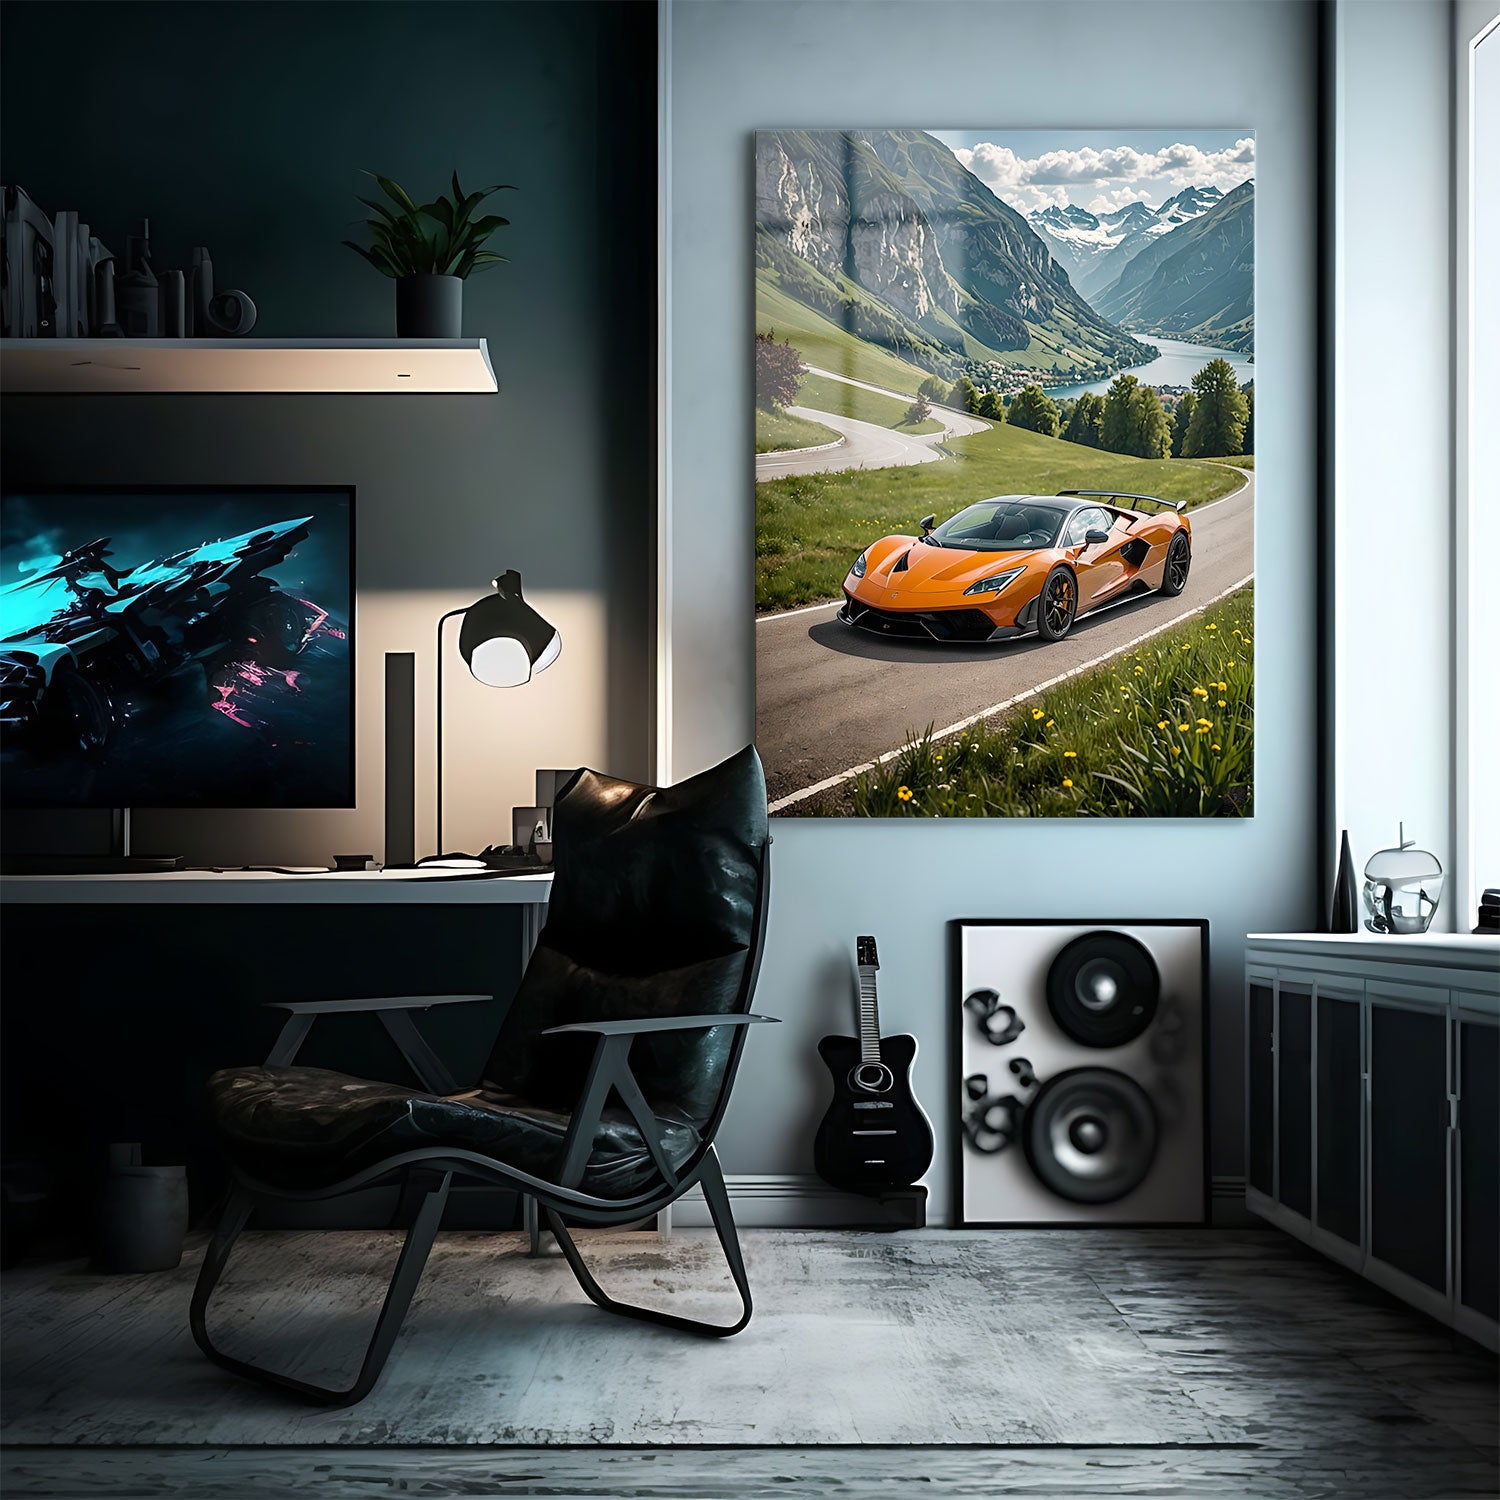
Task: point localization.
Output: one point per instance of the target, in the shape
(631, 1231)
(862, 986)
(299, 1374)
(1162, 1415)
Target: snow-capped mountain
(1095, 248)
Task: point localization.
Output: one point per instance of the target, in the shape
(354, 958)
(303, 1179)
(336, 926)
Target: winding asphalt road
(865, 445)
(829, 697)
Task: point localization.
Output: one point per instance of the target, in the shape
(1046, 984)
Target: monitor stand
(119, 860)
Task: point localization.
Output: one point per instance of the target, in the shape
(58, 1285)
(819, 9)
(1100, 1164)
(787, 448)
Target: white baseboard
(787, 1200)
(799, 1200)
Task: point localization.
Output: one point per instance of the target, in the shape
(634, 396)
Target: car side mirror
(927, 523)
(1096, 536)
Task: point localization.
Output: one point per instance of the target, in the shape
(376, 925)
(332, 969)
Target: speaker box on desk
(400, 759)
(1080, 1061)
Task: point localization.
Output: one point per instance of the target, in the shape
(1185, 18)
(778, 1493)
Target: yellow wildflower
(1210, 627)
(1067, 782)
(1176, 749)
(1223, 703)
(1200, 692)
(1213, 747)
(1183, 727)
(1036, 713)
(1161, 723)
(904, 793)
(1049, 723)
(1070, 755)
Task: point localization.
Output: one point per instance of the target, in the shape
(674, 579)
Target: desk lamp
(504, 643)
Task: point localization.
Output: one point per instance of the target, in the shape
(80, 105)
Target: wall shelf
(245, 366)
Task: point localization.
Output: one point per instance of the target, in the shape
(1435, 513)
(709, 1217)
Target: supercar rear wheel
(1174, 575)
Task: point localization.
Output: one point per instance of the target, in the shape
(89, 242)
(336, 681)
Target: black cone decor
(1345, 914)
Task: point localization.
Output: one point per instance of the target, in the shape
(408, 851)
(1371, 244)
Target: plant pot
(429, 307)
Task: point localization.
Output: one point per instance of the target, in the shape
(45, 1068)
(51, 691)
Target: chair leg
(717, 1197)
(403, 1285)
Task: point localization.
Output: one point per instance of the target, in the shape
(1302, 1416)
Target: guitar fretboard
(869, 1016)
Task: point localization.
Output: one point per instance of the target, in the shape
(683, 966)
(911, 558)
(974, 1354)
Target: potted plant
(429, 249)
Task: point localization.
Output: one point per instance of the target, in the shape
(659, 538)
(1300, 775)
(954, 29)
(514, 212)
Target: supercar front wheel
(1057, 605)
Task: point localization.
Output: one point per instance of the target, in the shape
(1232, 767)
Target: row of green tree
(1215, 419)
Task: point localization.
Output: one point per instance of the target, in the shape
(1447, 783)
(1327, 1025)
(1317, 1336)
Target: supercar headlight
(994, 584)
(859, 565)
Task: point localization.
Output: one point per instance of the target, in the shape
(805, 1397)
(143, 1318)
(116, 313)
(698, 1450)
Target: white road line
(806, 609)
(786, 614)
(941, 734)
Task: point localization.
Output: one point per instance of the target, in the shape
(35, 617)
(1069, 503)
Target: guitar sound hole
(871, 1078)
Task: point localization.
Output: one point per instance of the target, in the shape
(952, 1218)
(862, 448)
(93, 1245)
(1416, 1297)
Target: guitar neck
(869, 1016)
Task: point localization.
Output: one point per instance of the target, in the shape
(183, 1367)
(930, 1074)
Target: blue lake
(1177, 363)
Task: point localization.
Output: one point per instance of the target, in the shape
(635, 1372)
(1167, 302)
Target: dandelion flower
(1209, 722)
(1070, 755)
(1161, 723)
(1067, 781)
(1200, 692)
(1210, 627)
(904, 793)
(1223, 703)
(1183, 727)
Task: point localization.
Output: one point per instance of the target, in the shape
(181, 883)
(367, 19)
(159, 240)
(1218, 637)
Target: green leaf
(395, 192)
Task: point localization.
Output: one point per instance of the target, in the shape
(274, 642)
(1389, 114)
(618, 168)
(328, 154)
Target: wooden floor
(1309, 1382)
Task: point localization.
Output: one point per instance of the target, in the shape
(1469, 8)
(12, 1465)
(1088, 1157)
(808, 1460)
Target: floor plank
(1326, 1386)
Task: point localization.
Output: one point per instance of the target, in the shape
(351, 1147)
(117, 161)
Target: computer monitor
(177, 647)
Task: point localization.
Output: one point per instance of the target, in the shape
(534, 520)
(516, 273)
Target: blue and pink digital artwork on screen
(176, 648)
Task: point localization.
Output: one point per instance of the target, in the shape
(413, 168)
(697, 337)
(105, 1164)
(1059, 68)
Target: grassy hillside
(825, 344)
(1239, 461)
(808, 529)
(1166, 731)
(844, 400)
(775, 432)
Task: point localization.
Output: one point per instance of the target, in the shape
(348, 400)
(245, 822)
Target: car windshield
(1001, 526)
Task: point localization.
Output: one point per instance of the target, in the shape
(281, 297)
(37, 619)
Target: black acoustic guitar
(874, 1135)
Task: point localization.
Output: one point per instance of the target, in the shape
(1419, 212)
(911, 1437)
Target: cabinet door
(1294, 1098)
(1340, 1098)
(1260, 1030)
(1409, 1128)
(1478, 1166)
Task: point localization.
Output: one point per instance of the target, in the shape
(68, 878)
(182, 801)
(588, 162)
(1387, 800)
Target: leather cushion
(307, 1127)
(654, 909)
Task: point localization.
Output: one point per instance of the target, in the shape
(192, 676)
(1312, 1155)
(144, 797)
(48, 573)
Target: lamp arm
(443, 620)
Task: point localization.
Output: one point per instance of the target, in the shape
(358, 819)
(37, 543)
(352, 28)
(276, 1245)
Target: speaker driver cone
(1090, 1135)
(1103, 989)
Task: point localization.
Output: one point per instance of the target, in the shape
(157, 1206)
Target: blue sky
(1101, 170)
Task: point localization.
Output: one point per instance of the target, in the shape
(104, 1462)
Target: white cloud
(1119, 174)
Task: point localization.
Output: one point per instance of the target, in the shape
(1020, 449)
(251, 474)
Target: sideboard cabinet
(1372, 1089)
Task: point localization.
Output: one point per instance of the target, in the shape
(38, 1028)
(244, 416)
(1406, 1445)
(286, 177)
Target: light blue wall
(736, 65)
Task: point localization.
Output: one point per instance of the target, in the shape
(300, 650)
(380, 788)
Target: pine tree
(1034, 410)
(1217, 429)
(1120, 424)
(1181, 419)
(1153, 434)
(1086, 424)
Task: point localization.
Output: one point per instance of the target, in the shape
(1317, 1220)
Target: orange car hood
(938, 570)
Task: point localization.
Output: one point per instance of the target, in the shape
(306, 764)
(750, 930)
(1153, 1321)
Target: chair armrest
(429, 1068)
(662, 1023)
(379, 1002)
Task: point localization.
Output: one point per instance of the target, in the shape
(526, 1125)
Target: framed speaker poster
(1004, 419)
(1080, 1063)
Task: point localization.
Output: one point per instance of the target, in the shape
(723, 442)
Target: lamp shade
(504, 641)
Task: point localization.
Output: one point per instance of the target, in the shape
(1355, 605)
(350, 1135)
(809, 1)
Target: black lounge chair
(606, 1084)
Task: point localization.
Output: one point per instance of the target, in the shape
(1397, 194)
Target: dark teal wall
(244, 127)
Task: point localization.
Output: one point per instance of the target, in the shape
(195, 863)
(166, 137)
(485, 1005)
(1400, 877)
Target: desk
(122, 993)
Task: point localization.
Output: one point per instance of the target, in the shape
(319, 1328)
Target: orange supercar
(1018, 565)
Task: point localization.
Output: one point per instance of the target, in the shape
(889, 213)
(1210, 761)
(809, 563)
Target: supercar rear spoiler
(1178, 505)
